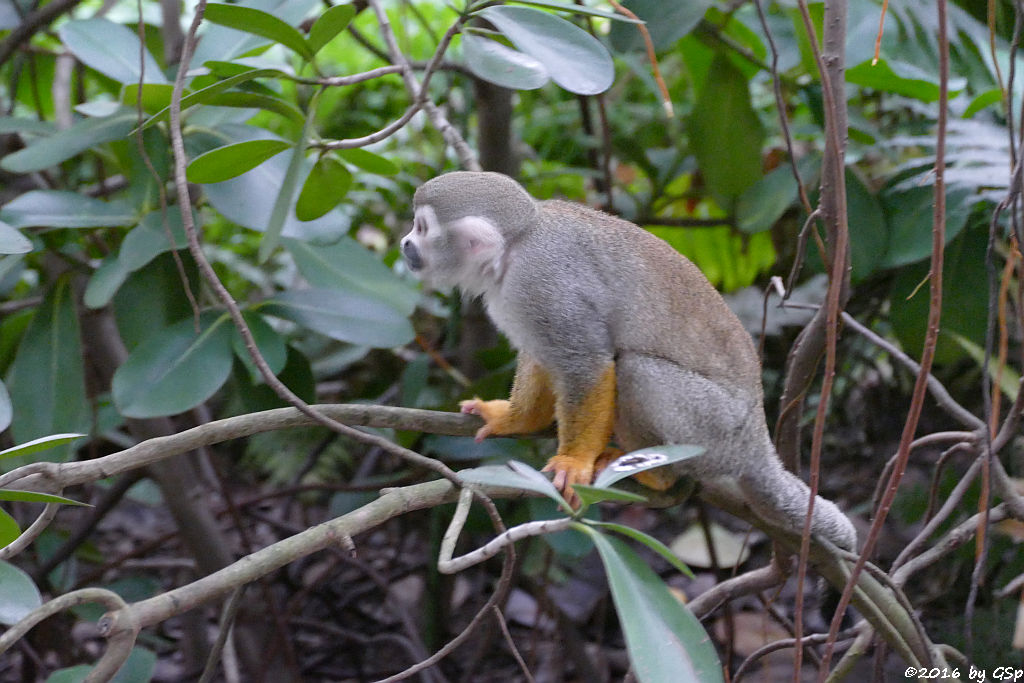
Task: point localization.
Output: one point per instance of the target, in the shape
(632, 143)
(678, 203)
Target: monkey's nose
(412, 255)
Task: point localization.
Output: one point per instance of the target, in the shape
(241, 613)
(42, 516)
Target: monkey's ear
(479, 236)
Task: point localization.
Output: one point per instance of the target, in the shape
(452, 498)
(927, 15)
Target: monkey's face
(466, 253)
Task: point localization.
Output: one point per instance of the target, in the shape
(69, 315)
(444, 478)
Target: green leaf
(25, 126)
(155, 96)
(270, 344)
(901, 78)
(258, 23)
(501, 65)
(111, 49)
(367, 161)
(175, 369)
(139, 666)
(46, 381)
(229, 161)
(644, 459)
(250, 100)
(86, 134)
(869, 234)
(104, 283)
(1008, 378)
(983, 101)
(12, 241)
(910, 216)
(221, 42)
(666, 643)
(62, 209)
(205, 95)
(765, 201)
(328, 25)
(286, 195)
(590, 495)
(515, 475)
(18, 594)
(649, 541)
(325, 187)
(348, 266)
(9, 529)
(34, 497)
(578, 9)
(149, 238)
(41, 444)
(343, 316)
(725, 132)
(574, 59)
(667, 22)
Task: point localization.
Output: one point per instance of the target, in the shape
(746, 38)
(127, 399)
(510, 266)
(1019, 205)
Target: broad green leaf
(98, 108)
(367, 161)
(490, 60)
(515, 478)
(111, 49)
(87, 133)
(900, 78)
(963, 310)
(297, 375)
(574, 59)
(644, 459)
(649, 541)
(250, 100)
(348, 266)
(104, 282)
(139, 666)
(765, 201)
(223, 43)
(5, 407)
(175, 369)
(869, 235)
(246, 201)
(590, 495)
(46, 380)
(204, 95)
(269, 342)
(62, 209)
(292, 180)
(25, 126)
(9, 530)
(982, 101)
(577, 9)
(328, 25)
(343, 316)
(730, 261)
(155, 96)
(153, 298)
(12, 241)
(258, 23)
(1008, 378)
(725, 132)
(229, 161)
(325, 187)
(150, 238)
(667, 22)
(41, 444)
(666, 642)
(18, 594)
(34, 497)
(910, 216)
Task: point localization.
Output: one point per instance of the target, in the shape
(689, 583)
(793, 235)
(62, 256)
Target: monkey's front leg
(529, 408)
(586, 417)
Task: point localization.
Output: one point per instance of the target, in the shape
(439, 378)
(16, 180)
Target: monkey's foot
(494, 414)
(607, 457)
(570, 470)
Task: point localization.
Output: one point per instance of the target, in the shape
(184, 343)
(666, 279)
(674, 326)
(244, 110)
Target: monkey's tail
(785, 499)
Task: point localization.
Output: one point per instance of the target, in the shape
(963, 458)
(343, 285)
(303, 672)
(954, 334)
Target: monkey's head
(462, 226)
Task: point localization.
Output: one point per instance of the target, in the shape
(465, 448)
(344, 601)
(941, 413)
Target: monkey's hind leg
(584, 428)
(529, 408)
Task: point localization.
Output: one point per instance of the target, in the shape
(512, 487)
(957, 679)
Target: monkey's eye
(419, 226)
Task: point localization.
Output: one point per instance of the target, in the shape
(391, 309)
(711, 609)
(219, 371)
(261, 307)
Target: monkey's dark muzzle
(412, 256)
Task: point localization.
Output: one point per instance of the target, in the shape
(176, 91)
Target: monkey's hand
(495, 414)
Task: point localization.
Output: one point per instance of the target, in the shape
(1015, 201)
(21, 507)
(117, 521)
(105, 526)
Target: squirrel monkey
(618, 336)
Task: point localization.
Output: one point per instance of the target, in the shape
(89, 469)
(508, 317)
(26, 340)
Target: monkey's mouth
(412, 256)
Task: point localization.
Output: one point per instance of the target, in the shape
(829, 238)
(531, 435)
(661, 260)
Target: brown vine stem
(931, 337)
